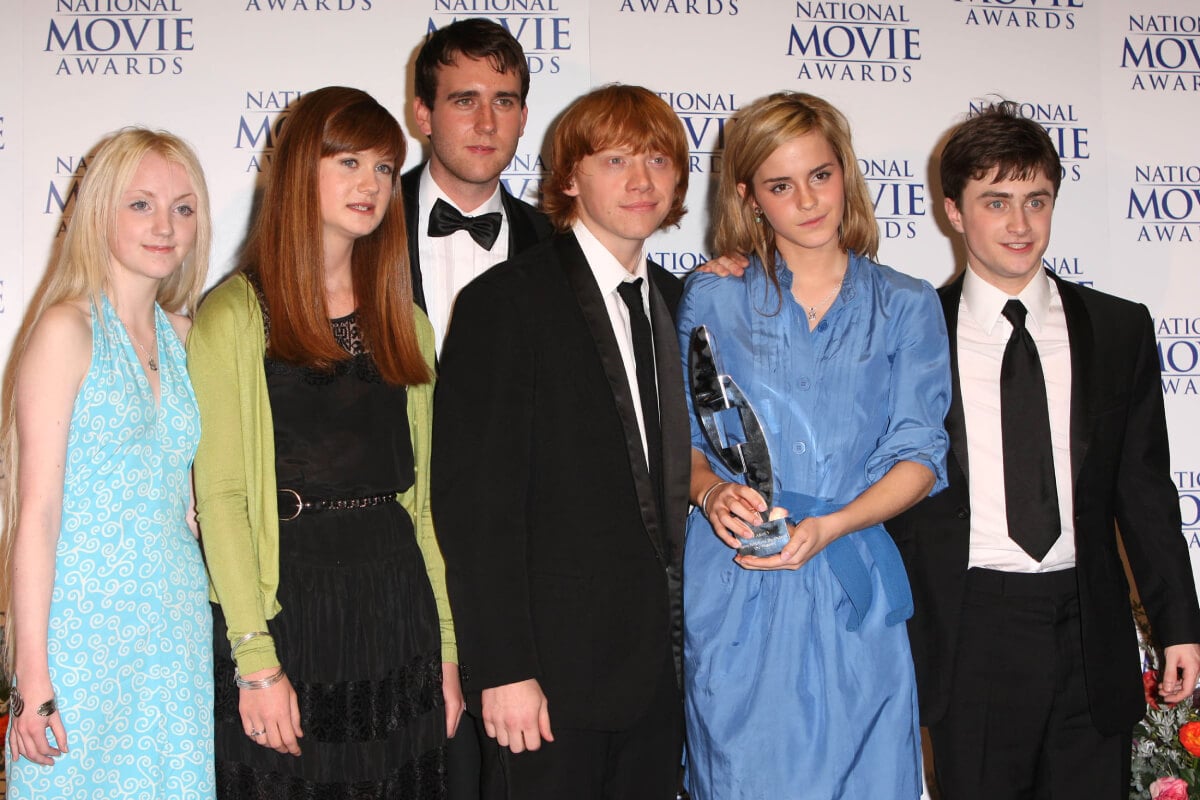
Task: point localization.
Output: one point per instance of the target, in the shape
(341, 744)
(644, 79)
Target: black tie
(643, 354)
(1030, 491)
(445, 219)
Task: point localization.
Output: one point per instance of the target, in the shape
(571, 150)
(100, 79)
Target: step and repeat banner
(1116, 84)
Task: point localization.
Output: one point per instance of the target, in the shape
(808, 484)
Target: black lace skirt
(358, 637)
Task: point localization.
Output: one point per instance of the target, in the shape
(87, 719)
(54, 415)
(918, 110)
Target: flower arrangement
(1166, 744)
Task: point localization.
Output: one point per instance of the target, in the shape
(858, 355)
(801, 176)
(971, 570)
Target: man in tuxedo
(560, 470)
(471, 83)
(1025, 649)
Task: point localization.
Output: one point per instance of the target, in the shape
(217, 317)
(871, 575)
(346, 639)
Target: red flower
(1189, 737)
(1150, 685)
(1169, 789)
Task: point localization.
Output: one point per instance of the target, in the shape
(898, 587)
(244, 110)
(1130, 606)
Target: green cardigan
(236, 501)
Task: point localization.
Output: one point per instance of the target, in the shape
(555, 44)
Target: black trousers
(1019, 723)
(640, 763)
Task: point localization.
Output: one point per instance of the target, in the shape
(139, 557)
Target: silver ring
(255, 732)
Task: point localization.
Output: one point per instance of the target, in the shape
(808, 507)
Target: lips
(362, 208)
(159, 249)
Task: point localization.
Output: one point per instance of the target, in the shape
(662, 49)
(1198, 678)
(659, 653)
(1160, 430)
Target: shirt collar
(430, 192)
(985, 302)
(608, 271)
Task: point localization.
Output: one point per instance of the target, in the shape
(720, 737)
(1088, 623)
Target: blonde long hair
(82, 270)
(756, 132)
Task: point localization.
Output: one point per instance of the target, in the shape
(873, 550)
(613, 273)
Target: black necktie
(445, 219)
(643, 355)
(1030, 491)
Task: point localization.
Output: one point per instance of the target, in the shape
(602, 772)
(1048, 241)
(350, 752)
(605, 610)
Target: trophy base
(769, 538)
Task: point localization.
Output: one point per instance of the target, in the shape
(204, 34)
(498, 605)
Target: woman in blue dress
(798, 677)
(108, 614)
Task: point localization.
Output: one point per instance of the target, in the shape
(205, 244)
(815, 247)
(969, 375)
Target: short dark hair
(1000, 138)
(474, 38)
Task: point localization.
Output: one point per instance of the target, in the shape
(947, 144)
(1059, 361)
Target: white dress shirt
(609, 274)
(983, 334)
(448, 263)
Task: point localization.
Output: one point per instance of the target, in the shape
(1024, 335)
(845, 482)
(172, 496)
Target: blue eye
(140, 205)
(185, 210)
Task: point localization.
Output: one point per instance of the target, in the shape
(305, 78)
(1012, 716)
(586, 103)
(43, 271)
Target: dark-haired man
(1026, 656)
(561, 465)
(471, 83)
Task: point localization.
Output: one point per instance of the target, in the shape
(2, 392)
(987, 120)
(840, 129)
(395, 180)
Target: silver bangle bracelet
(708, 493)
(237, 645)
(261, 683)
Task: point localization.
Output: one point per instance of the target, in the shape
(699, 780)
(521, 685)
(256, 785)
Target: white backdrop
(1117, 85)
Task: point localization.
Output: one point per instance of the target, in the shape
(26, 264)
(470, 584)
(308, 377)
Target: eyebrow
(991, 193)
(812, 171)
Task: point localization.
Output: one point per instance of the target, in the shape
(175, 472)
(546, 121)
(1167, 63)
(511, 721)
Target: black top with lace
(358, 634)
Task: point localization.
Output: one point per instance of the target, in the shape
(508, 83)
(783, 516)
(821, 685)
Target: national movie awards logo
(1040, 14)
(1188, 484)
(1162, 52)
(309, 5)
(1069, 268)
(522, 178)
(541, 27)
(1164, 202)
(63, 188)
(1178, 341)
(260, 123)
(898, 194)
(703, 115)
(679, 262)
(707, 8)
(119, 37)
(859, 42)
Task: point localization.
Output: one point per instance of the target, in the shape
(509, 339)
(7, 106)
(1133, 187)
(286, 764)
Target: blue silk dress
(799, 685)
(130, 633)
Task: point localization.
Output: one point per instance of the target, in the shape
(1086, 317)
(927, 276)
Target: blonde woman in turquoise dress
(798, 680)
(108, 615)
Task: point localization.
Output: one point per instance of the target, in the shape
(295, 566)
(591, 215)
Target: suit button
(961, 513)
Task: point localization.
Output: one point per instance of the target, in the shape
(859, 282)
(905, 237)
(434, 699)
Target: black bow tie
(445, 219)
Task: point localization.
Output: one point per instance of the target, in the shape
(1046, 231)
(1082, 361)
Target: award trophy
(714, 395)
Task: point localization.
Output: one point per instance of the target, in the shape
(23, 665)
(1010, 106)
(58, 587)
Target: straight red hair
(286, 250)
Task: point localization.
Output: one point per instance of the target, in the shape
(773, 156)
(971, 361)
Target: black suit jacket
(526, 226)
(558, 560)
(1120, 472)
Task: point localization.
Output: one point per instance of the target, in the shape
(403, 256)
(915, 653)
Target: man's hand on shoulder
(1181, 667)
(730, 264)
(517, 715)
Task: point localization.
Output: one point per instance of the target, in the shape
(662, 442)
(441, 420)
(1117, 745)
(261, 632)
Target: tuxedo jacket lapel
(410, 185)
(956, 425)
(595, 314)
(1079, 333)
(673, 416)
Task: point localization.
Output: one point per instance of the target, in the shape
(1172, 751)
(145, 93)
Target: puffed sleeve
(919, 387)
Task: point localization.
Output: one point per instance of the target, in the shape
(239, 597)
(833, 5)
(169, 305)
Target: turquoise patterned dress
(130, 641)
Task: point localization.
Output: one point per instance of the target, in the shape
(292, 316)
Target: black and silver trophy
(714, 395)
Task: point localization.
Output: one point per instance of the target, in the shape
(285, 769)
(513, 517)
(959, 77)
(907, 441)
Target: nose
(1018, 220)
(164, 223)
(368, 181)
(639, 175)
(806, 198)
(485, 118)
